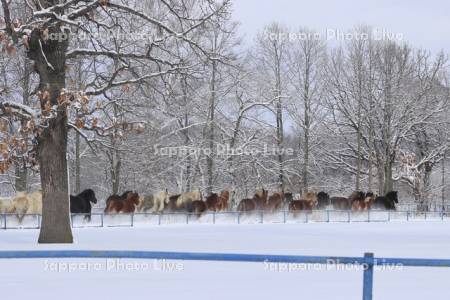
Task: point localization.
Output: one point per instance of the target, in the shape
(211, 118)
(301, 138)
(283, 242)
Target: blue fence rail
(368, 261)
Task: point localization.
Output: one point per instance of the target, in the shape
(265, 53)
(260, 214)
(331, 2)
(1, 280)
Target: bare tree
(306, 68)
(47, 38)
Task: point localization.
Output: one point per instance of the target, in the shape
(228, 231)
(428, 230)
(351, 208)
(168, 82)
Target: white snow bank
(22, 279)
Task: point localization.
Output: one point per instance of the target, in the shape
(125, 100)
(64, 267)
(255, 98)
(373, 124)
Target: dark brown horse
(340, 203)
(212, 202)
(126, 203)
(197, 207)
(260, 199)
(172, 205)
(323, 200)
(275, 201)
(246, 205)
(288, 197)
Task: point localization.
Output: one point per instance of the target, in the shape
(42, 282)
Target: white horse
(145, 203)
(35, 202)
(5, 205)
(24, 203)
(20, 203)
(160, 200)
(185, 199)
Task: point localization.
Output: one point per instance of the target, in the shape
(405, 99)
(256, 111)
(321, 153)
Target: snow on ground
(107, 279)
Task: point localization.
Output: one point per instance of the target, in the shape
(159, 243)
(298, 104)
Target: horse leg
(20, 218)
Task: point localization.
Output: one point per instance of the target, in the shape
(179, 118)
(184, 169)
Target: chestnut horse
(307, 203)
(301, 205)
(364, 203)
(275, 201)
(223, 200)
(310, 197)
(126, 203)
(356, 199)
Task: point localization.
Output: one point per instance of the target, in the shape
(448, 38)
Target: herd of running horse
(193, 202)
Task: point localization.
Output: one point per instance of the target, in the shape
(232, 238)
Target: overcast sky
(423, 24)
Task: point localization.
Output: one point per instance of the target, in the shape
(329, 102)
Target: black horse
(323, 200)
(387, 202)
(81, 203)
(288, 198)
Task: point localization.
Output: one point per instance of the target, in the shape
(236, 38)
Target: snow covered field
(140, 279)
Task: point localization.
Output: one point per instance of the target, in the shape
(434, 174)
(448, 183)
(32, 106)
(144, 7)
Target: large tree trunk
(50, 61)
(55, 227)
(422, 187)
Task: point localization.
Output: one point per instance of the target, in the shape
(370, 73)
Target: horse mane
(87, 192)
(370, 194)
(392, 195)
(134, 198)
(125, 195)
